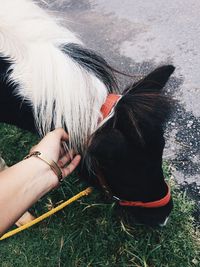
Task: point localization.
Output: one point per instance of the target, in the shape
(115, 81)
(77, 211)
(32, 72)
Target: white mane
(60, 90)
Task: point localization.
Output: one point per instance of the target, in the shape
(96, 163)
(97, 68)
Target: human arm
(27, 181)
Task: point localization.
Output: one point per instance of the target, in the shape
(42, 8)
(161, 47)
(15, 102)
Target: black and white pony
(49, 79)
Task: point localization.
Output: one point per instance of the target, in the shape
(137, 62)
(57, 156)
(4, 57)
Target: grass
(88, 233)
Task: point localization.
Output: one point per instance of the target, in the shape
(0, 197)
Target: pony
(49, 79)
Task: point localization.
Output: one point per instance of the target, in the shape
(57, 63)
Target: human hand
(51, 147)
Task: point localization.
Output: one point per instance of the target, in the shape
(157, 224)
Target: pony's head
(124, 156)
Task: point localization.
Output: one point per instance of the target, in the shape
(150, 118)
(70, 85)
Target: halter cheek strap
(110, 103)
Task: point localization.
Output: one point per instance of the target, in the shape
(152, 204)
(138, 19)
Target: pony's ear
(155, 81)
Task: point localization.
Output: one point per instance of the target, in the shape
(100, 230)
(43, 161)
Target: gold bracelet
(52, 164)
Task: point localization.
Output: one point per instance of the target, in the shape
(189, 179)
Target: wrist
(42, 174)
(51, 163)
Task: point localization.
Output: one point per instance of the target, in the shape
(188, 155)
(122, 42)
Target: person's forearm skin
(18, 192)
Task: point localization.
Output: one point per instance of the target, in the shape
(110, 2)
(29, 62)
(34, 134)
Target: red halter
(106, 109)
(153, 204)
(111, 101)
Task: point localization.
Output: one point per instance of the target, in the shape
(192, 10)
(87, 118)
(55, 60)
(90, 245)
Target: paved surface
(137, 36)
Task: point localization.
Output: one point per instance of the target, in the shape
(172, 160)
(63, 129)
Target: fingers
(62, 134)
(65, 149)
(72, 166)
(64, 160)
(65, 136)
(62, 152)
(65, 154)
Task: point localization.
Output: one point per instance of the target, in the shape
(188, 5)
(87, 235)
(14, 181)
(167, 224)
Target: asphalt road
(136, 37)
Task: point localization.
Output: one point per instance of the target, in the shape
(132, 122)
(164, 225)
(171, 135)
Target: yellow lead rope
(85, 192)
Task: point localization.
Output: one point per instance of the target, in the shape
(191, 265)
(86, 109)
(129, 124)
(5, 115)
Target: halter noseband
(152, 204)
(106, 110)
